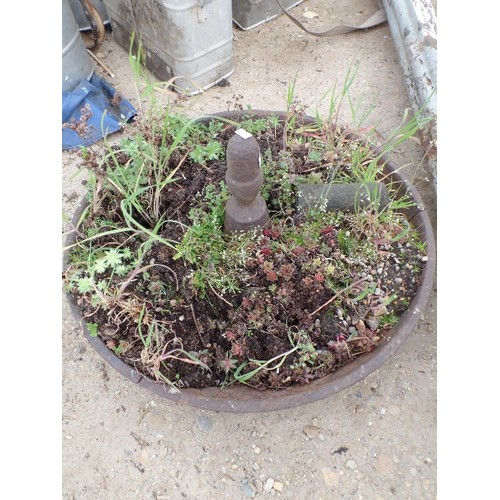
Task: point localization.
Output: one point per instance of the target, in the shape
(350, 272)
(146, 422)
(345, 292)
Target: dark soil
(314, 292)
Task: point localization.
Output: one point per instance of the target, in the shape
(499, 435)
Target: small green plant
(121, 348)
(369, 289)
(278, 189)
(315, 155)
(228, 364)
(255, 126)
(201, 154)
(94, 276)
(389, 320)
(420, 245)
(347, 242)
(305, 349)
(93, 329)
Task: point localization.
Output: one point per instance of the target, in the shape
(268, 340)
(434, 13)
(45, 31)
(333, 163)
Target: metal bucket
(191, 40)
(76, 63)
(248, 14)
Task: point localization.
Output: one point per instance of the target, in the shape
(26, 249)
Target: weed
(255, 126)
(347, 242)
(158, 349)
(212, 151)
(228, 364)
(389, 320)
(315, 156)
(278, 189)
(93, 329)
(306, 350)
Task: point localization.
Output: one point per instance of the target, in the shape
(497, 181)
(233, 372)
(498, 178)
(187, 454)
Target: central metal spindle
(246, 209)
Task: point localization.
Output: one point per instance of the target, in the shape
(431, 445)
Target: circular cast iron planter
(243, 399)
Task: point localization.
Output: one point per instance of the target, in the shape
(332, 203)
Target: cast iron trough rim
(242, 399)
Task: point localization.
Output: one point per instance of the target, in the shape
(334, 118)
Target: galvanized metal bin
(188, 39)
(76, 63)
(248, 14)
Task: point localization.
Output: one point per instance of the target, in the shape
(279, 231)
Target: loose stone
(258, 485)
(248, 489)
(384, 463)
(268, 485)
(359, 409)
(331, 478)
(394, 410)
(278, 486)
(311, 431)
(360, 326)
(372, 323)
(204, 423)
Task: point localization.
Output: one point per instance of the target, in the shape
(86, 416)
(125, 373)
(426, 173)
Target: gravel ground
(375, 440)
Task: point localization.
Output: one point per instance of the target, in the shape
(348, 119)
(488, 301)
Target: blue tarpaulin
(92, 111)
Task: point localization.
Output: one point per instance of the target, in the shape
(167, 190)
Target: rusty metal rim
(242, 399)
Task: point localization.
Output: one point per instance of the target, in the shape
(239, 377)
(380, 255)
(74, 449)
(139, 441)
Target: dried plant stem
(110, 73)
(329, 301)
(220, 296)
(196, 324)
(139, 270)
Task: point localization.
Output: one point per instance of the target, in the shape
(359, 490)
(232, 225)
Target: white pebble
(351, 464)
(268, 486)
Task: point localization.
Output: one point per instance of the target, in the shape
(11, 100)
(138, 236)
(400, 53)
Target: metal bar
(413, 27)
